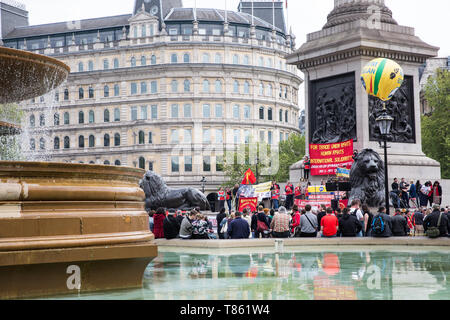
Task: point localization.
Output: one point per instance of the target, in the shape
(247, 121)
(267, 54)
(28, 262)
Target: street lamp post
(203, 181)
(384, 122)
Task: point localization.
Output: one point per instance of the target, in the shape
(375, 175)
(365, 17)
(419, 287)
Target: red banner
(317, 203)
(248, 203)
(325, 158)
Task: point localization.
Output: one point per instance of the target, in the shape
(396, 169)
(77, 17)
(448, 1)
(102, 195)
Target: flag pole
(287, 17)
(273, 14)
(253, 15)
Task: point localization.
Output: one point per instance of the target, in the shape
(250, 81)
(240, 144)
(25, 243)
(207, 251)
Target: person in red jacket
(289, 189)
(298, 192)
(295, 219)
(158, 220)
(221, 197)
(228, 199)
(306, 167)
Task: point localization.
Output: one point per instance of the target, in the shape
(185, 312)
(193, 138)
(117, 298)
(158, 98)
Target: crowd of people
(406, 195)
(354, 221)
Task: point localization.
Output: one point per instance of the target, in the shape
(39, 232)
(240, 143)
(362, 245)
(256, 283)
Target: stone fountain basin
(25, 75)
(54, 215)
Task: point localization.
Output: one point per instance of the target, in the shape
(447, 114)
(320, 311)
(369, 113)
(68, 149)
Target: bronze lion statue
(159, 195)
(367, 179)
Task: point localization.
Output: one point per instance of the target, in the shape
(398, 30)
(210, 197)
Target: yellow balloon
(382, 78)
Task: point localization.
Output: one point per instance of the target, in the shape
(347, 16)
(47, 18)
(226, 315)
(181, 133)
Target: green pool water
(385, 273)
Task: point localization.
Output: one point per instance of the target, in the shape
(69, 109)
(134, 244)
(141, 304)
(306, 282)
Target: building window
(219, 163)
(150, 137)
(206, 136)
(262, 136)
(206, 111)
(187, 110)
(81, 93)
(150, 164)
(175, 164)
(91, 116)
(154, 86)
(32, 144)
(236, 86)
(174, 58)
(261, 62)
(154, 112)
(219, 136)
(117, 163)
(116, 63)
(66, 94)
(205, 58)
(81, 142)
(153, 60)
(246, 87)
(133, 88)
(106, 115)
(188, 164)
(80, 117)
(56, 119)
(116, 90)
(246, 136)
(206, 164)
(143, 87)
(218, 86)
(205, 86)
(32, 121)
(269, 114)
(174, 86)
(269, 90)
(269, 137)
(133, 61)
(186, 58)
(281, 115)
(269, 63)
(174, 111)
(134, 113)
(236, 135)
(236, 112)
(66, 142)
(91, 65)
(56, 143)
(218, 58)
(261, 89)
(117, 140)
(106, 140)
(106, 91)
(246, 60)
(174, 136)
(286, 116)
(116, 114)
(80, 67)
(141, 137)
(105, 64)
(142, 163)
(42, 143)
(187, 136)
(143, 61)
(91, 141)
(187, 86)
(247, 112)
(219, 111)
(261, 113)
(143, 112)
(235, 59)
(91, 93)
(66, 118)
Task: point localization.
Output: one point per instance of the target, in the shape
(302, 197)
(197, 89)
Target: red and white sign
(325, 158)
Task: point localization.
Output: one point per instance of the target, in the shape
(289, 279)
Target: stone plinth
(358, 31)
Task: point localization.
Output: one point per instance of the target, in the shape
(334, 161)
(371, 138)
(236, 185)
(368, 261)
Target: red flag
(249, 177)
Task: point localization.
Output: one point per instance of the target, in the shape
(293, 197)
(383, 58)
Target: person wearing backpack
(260, 224)
(357, 213)
(436, 223)
(381, 224)
(349, 225)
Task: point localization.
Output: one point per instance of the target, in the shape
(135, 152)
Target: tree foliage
(292, 150)
(435, 128)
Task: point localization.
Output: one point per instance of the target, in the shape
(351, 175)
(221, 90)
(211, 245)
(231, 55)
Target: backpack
(378, 225)
(261, 226)
(224, 226)
(434, 232)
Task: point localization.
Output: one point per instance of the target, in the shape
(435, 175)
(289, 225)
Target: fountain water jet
(54, 216)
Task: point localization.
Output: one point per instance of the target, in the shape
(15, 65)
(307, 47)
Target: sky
(430, 18)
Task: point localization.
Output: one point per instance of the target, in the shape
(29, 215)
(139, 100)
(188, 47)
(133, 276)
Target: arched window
(91, 65)
(186, 58)
(133, 61)
(42, 143)
(247, 112)
(141, 137)
(106, 91)
(246, 87)
(80, 67)
(117, 163)
(106, 115)
(143, 61)
(269, 63)
(269, 90)
(153, 59)
(116, 63)
(261, 61)
(81, 93)
(91, 116)
(142, 163)
(235, 59)
(286, 116)
(236, 112)
(116, 114)
(106, 64)
(218, 86)
(91, 141)
(106, 140)
(116, 90)
(236, 86)
(56, 143)
(205, 58)
(81, 142)
(218, 58)
(261, 113)
(117, 139)
(174, 86)
(91, 162)
(150, 166)
(143, 87)
(187, 86)
(281, 115)
(42, 120)
(32, 144)
(66, 142)
(32, 121)
(81, 117)
(270, 114)
(246, 60)
(66, 94)
(66, 118)
(150, 137)
(261, 89)
(56, 119)
(106, 163)
(174, 58)
(91, 93)
(205, 86)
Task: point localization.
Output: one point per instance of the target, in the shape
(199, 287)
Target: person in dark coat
(219, 218)
(180, 217)
(261, 216)
(349, 225)
(432, 219)
(238, 228)
(171, 226)
(399, 225)
(387, 232)
(158, 221)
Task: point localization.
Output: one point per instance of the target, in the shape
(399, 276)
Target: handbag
(434, 232)
(261, 226)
